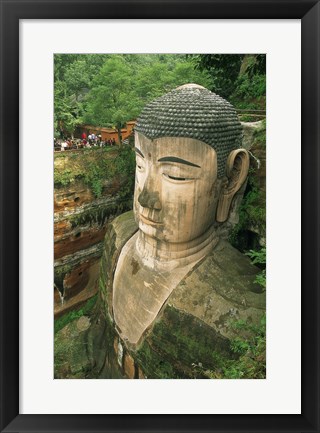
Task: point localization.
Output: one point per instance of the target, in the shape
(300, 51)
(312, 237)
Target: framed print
(40, 41)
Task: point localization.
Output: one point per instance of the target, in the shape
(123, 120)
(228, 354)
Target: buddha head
(189, 164)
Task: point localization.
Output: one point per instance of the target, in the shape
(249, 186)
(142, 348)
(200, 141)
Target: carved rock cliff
(87, 195)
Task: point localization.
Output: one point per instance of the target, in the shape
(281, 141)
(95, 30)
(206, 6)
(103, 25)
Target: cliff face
(91, 188)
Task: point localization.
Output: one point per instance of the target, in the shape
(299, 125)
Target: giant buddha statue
(166, 266)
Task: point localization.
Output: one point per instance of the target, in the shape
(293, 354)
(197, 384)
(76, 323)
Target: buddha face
(176, 188)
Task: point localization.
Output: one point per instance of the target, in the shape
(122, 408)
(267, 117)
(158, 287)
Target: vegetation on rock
(97, 167)
(250, 362)
(85, 310)
(240, 78)
(250, 232)
(259, 258)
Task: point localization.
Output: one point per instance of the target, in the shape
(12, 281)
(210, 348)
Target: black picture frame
(11, 12)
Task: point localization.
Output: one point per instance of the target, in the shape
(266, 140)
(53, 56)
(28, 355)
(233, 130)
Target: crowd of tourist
(92, 140)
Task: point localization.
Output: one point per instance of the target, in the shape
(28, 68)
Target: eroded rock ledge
(83, 205)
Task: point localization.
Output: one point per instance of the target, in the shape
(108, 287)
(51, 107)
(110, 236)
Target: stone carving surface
(189, 166)
(195, 112)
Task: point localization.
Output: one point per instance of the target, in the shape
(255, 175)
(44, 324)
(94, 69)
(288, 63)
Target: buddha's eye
(177, 179)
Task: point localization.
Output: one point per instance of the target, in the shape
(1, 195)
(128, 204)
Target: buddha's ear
(237, 171)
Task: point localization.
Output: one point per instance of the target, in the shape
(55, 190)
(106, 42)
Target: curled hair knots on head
(193, 111)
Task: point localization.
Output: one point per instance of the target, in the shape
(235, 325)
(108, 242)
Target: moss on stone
(102, 286)
(178, 343)
(96, 168)
(127, 216)
(153, 365)
(67, 318)
(100, 214)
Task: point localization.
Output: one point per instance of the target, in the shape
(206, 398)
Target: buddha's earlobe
(237, 171)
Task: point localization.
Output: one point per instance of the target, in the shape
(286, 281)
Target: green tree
(73, 75)
(240, 78)
(184, 73)
(66, 109)
(61, 63)
(152, 80)
(112, 100)
(66, 115)
(223, 68)
(155, 79)
(108, 90)
(77, 78)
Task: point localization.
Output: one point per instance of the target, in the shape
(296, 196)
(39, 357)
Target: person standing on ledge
(170, 266)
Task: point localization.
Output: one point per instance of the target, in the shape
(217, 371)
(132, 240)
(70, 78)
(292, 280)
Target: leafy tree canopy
(240, 78)
(109, 90)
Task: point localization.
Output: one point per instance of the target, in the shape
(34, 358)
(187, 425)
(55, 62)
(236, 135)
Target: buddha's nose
(149, 197)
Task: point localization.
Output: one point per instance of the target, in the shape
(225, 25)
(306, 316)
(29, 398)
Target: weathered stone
(249, 131)
(174, 231)
(80, 284)
(220, 290)
(171, 293)
(80, 240)
(83, 323)
(115, 345)
(175, 286)
(141, 375)
(196, 323)
(128, 366)
(71, 359)
(80, 222)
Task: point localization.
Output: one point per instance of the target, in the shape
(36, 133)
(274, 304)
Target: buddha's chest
(139, 292)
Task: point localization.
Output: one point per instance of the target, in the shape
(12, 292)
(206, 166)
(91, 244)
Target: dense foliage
(240, 78)
(109, 90)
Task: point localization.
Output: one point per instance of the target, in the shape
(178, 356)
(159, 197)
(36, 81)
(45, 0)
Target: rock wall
(88, 193)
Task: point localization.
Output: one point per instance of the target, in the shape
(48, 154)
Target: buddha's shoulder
(226, 260)
(220, 287)
(224, 270)
(121, 229)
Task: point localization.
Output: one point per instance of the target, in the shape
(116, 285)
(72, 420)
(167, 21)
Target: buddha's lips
(149, 221)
